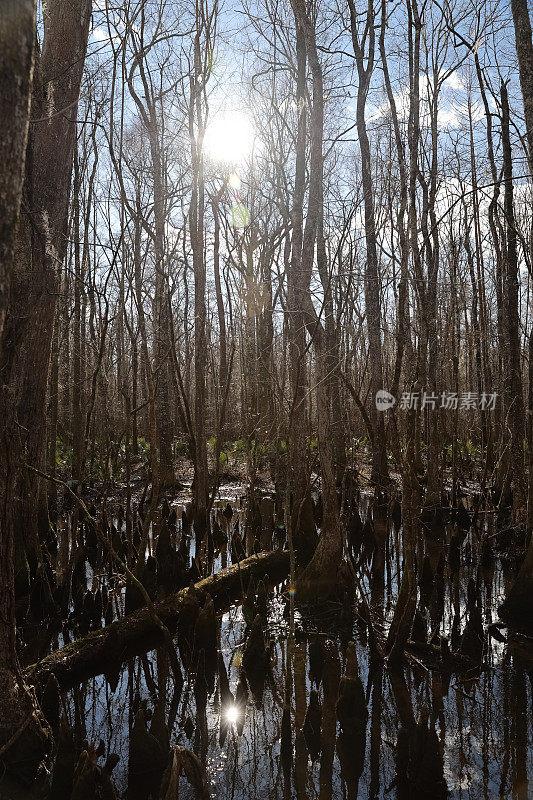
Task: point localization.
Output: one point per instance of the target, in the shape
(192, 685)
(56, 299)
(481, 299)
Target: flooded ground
(281, 731)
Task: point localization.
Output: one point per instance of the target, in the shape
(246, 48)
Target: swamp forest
(266, 399)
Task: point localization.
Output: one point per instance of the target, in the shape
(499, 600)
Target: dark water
(476, 742)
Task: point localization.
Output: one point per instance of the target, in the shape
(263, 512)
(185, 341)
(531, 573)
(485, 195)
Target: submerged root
(186, 762)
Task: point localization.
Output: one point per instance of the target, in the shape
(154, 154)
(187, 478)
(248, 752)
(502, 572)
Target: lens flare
(240, 216)
(234, 181)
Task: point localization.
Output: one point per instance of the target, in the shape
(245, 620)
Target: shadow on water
(266, 712)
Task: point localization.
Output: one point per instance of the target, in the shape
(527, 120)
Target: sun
(229, 138)
(232, 714)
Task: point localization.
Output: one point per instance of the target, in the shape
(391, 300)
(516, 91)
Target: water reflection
(317, 714)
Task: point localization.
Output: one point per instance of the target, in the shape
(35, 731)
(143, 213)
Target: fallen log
(107, 648)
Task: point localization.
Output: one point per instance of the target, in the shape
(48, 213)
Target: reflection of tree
(330, 682)
(419, 752)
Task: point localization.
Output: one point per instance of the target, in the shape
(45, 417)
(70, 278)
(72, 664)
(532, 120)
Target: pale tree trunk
(148, 375)
(54, 418)
(17, 37)
(222, 336)
(251, 416)
(478, 306)
(81, 429)
(400, 628)
(404, 344)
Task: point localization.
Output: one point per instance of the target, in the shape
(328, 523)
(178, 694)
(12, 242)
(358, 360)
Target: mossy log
(105, 649)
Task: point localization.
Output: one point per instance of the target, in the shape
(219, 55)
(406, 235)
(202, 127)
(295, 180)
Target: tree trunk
(41, 246)
(77, 421)
(196, 230)
(303, 526)
(319, 580)
(514, 391)
(17, 37)
(223, 355)
(518, 605)
(147, 105)
(524, 51)
(165, 428)
(380, 471)
(16, 72)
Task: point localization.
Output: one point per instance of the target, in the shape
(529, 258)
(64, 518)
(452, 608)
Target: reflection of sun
(229, 138)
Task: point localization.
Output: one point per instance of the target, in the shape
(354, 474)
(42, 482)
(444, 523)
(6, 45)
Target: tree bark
(514, 388)
(197, 123)
(518, 605)
(40, 249)
(524, 51)
(380, 471)
(16, 73)
(223, 355)
(303, 526)
(319, 578)
(18, 713)
(17, 32)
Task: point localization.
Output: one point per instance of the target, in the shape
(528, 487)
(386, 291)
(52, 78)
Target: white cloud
(455, 81)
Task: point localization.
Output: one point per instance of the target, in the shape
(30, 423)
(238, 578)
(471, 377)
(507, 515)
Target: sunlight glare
(232, 714)
(229, 138)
